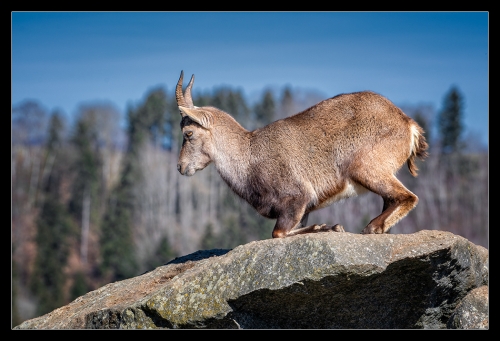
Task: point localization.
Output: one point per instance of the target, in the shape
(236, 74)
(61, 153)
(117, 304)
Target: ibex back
(341, 147)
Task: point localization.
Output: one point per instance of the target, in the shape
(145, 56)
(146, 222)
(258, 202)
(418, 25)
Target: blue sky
(65, 59)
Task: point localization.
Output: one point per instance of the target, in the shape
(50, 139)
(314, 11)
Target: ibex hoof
(338, 228)
(328, 228)
(370, 229)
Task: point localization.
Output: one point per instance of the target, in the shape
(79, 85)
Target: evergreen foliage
(287, 103)
(79, 287)
(163, 254)
(54, 138)
(265, 110)
(147, 123)
(54, 229)
(233, 102)
(85, 167)
(209, 241)
(450, 121)
(116, 243)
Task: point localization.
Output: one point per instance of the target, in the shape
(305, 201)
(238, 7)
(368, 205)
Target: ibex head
(197, 147)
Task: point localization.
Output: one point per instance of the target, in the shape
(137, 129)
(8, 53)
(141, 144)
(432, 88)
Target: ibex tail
(418, 148)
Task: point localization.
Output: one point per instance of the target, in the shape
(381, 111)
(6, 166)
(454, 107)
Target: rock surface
(472, 312)
(429, 279)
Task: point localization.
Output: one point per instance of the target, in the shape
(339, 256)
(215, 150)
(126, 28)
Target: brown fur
(339, 148)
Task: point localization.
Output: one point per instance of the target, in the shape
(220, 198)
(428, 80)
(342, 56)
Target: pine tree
(265, 110)
(79, 287)
(116, 239)
(152, 118)
(87, 181)
(450, 121)
(287, 105)
(54, 138)
(232, 102)
(54, 229)
(147, 123)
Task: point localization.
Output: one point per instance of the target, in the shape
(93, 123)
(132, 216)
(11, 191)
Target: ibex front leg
(291, 223)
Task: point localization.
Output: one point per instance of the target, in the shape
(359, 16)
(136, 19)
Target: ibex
(338, 148)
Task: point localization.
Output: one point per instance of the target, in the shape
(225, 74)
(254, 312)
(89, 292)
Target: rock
(472, 312)
(323, 281)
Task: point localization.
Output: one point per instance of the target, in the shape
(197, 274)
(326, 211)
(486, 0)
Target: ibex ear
(200, 116)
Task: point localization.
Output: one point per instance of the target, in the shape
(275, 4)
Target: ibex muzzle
(341, 147)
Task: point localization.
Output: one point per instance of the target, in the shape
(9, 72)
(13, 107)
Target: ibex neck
(232, 157)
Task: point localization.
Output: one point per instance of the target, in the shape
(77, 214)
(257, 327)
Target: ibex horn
(178, 91)
(186, 101)
(187, 93)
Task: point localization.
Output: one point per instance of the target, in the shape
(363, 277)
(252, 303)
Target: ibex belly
(328, 197)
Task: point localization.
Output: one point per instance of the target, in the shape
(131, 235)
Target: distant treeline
(94, 203)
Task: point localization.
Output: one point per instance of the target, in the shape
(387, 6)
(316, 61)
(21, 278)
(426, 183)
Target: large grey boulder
(323, 280)
(472, 312)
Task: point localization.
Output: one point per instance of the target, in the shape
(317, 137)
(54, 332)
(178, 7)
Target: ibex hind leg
(398, 201)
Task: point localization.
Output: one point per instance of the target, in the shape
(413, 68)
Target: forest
(98, 198)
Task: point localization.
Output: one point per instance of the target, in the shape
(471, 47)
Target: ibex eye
(189, 133)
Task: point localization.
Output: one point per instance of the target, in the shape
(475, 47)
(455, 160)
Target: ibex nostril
(179, 167)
